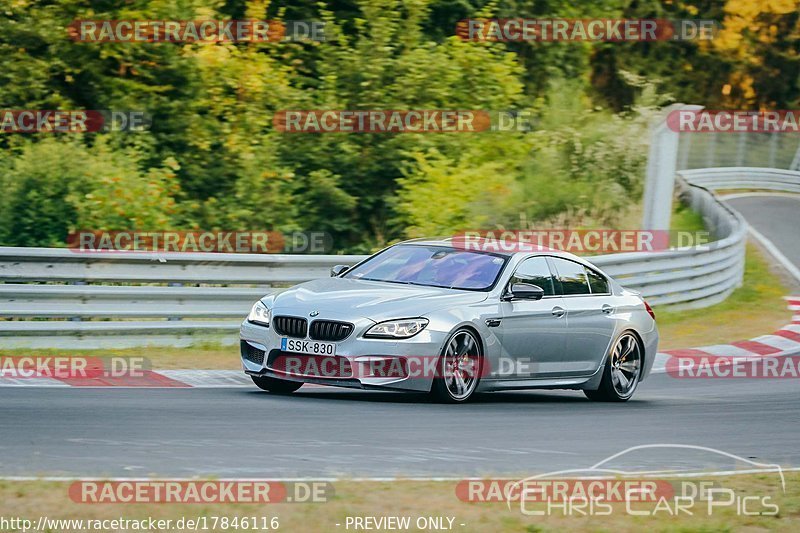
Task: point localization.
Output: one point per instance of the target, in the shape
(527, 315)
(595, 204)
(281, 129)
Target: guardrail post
(773, 149)
(741, 149)
(77, 318)
(662, 162)
(684, 147)
(796, 160)
(712, 151)
(174, 285)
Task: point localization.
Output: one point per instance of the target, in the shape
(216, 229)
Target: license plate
(308, 347)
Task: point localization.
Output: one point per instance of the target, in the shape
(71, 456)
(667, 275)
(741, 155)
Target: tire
(622, 371)
(459, 368)
(278, 386)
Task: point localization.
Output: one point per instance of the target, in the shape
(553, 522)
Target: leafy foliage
(213, 159)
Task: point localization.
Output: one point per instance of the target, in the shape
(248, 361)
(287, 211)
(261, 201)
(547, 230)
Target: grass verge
(205, 356)
(31, 499)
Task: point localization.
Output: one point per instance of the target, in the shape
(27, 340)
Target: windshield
(433, 266)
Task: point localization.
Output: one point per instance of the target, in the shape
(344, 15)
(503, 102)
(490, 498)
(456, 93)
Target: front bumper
(356, 352)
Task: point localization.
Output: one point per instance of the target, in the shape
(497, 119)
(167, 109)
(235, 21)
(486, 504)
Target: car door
(532, 332)
(590, 315)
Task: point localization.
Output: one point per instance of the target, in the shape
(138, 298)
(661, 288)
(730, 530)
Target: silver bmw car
(433, 316)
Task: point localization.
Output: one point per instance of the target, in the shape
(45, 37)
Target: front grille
(252, 354)
(291, 326)
(330, 330)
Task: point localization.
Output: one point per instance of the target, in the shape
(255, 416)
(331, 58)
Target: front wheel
(279, 386)
(622, 371)
(459, 368)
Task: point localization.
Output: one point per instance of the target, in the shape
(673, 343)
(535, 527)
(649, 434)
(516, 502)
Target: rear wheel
(622, 371)
(279, 386)
(459, 368)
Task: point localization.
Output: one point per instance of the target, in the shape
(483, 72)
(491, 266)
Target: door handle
(607, 309)
(558, 311)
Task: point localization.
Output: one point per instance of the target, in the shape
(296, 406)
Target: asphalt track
(321, 432)
(331, 432)
(775, 217)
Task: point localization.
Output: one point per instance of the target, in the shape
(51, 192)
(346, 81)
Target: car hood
(375, 300)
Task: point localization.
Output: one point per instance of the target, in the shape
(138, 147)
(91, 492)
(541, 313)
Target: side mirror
(338, 270)
(524, 291)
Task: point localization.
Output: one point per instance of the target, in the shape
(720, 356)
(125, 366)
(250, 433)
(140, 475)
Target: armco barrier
(691, 277)
(57, 298)
(50, 292)
(774, 179)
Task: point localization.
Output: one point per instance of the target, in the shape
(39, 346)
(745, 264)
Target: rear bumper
(650, 341)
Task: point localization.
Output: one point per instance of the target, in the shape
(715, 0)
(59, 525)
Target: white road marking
(727, 350)
(209, 378)
(660, 473)
(31, 382)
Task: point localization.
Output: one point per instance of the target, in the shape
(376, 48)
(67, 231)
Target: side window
(572, 277)
(536, 272)
(597, 282)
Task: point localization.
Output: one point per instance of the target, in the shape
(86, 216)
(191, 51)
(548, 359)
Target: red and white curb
(148, 379)
(152, 379)
(785, 341)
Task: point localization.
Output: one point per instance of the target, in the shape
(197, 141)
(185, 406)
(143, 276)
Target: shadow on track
(510, 397)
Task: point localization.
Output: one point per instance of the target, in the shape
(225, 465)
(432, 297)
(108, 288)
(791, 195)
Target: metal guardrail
(206, 297)
(774, 179)
(111, 299)
(689, 277)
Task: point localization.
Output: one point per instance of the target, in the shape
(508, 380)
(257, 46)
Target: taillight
(649, 310)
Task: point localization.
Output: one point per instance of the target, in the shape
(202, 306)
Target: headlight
(259, 314)
(397, 329)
